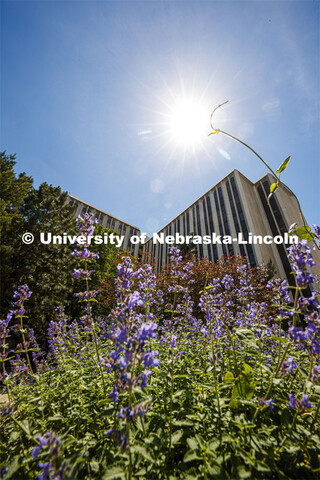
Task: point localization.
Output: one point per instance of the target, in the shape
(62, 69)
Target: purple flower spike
(147, 330)
(174, 341)
(292, 401)
(149, 360)
(144, 377)
(114, 395)
(305, 401)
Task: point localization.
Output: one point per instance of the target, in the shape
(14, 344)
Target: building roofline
(103, 211)
(274, 178)
(203, 195)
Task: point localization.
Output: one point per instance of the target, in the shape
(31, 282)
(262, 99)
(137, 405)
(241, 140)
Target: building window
(86, 210)
(214, 246)
(235, 218)
(219, 221)
(199, 229)
(275, 208)
(99, 216)
(243, 223)
(206, 226)
(73, 203)
(225, 219)
(274, 230)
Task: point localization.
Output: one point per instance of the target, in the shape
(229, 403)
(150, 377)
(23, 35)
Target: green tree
(13, 191)
(187, 250)
(46, 268)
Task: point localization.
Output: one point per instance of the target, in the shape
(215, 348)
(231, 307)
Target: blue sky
(88, 87)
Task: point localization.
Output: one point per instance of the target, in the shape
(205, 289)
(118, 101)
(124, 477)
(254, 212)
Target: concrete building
(108, 221)
(236, 206)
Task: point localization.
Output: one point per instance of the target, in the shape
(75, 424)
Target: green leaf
(244, 385)
(228, 378)
(94, 465)
(212, 446)
(115, 473)
(283, 165)
(141, 450)
(247, 337)
(14, 466)
(273, 187)
(190, 456)
(178, 393)
(177, 436)
(246, 369)
(234, 404)
(304, 233)
(193, 444)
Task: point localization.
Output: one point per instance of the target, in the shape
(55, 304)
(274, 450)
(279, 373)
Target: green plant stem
(171, 404)
(280, 361)
(95, 336)
(216, 386)
(171, 380)
(217, 130)
(205, 468)
(25, 348)
(296, 296)
(6, 382)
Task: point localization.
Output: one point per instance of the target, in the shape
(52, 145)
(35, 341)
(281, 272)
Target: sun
(188, 122)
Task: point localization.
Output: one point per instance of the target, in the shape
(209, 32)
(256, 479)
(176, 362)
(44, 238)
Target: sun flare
(188, 123)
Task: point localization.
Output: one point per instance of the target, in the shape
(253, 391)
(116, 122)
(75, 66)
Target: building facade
(108, 221)
(236, 206)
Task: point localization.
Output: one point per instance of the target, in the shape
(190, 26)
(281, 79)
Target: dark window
(206, 226)
(275, 208)
(235, 218)
(199, 228)
(243, 222)
(214, 246)
(221, 232)
(225, 219)
(274, 231)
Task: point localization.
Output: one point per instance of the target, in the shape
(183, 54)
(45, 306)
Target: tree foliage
(46, 267)
(14, 190)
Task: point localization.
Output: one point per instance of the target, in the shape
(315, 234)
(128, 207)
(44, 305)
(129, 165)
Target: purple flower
(288, 366)
(173, 341)
(147, 330)
(262, 402)
(134, 299)
(305, 401)
(114, 395)
(22, 293)
(300, 257)
(46, 470)
(143, 378)
(315, 374)
(81, 273)
(35, 451)
(51, 467)
(227, 281)
(121, 335)
(124, 361)
(292, 401)
(149, 360)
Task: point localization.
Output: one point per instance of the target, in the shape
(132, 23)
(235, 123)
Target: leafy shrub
(152, 392)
